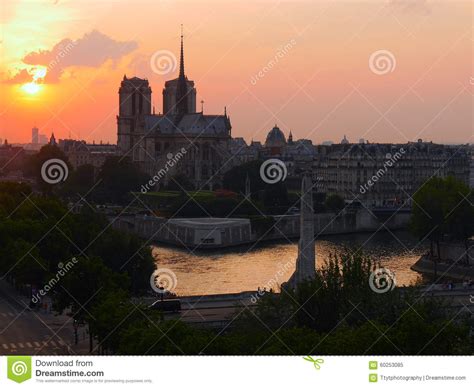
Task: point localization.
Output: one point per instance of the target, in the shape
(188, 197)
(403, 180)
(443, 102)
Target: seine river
(246, 268)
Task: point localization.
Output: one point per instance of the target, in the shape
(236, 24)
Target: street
(30, 332)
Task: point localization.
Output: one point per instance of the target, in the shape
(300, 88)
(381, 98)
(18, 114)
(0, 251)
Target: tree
(335, 203)
(179, 182)
(12, 194)
(442, 207)
(36, 162)
(80, 180)
(118, 178)
(460, 213)
(235, 178)
(275, 198)
(83, 288)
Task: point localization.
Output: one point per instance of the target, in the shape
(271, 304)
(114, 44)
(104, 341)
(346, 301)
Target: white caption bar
(220, 371)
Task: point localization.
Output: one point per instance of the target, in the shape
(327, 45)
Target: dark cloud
(92, 50)
(19, 78)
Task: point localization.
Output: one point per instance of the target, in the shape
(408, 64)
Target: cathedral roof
(344, 140)
(275, 138)
(174, 82)
(135, 80)
(190, 123)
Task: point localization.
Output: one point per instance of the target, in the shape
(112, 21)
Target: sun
(34, 87)
(31, 88)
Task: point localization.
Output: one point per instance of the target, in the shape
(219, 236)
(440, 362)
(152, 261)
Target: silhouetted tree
(117, 178)
(334, 203)
(35, 164)
(442, 207)
(80, 181)
(235, 178)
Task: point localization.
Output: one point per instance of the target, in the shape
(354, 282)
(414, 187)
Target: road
(27, 332)
(212, 312)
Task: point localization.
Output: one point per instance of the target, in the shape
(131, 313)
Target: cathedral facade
(150, 139)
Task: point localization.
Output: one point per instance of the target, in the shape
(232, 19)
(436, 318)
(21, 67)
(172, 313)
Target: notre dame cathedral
(151, 139)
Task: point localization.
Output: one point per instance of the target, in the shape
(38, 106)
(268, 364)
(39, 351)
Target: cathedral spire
(181, 58)
(182, 87)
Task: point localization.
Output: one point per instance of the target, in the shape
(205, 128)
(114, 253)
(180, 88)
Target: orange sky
(320, 87)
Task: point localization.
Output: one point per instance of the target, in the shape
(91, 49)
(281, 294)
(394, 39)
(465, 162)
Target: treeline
(443, 211)
(39, 236)
(114, 182)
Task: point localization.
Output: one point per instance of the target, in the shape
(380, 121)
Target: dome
(345, 141)
(275, 138)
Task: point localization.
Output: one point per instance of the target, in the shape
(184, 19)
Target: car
(167, 305)
(293, 210)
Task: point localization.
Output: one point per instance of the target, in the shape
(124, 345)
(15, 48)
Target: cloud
(140, 66)
(19, 78)
(92, 50)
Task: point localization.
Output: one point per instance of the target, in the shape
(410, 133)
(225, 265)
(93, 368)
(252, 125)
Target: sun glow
(31, 88)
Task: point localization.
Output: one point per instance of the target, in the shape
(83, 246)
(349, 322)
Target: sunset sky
(62, 63)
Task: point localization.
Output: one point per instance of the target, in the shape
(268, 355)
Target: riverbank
(218, 233)
(444, 270)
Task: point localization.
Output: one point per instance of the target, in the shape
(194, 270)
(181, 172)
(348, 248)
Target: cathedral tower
(134, 104)
(179, 94)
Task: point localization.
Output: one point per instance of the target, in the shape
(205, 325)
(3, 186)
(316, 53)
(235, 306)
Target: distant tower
(345, 141)
(290, 138)
(247, 187)
(135, 103)
(34, 135)
(179, 94)
(305, 263)
(52, 139)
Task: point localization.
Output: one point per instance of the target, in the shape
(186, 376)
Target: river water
(247, 267)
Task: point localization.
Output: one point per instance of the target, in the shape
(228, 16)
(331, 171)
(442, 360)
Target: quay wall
(160, 229)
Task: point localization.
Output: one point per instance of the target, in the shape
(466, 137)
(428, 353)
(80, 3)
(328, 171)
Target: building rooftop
(209, 223)
(191, 123)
